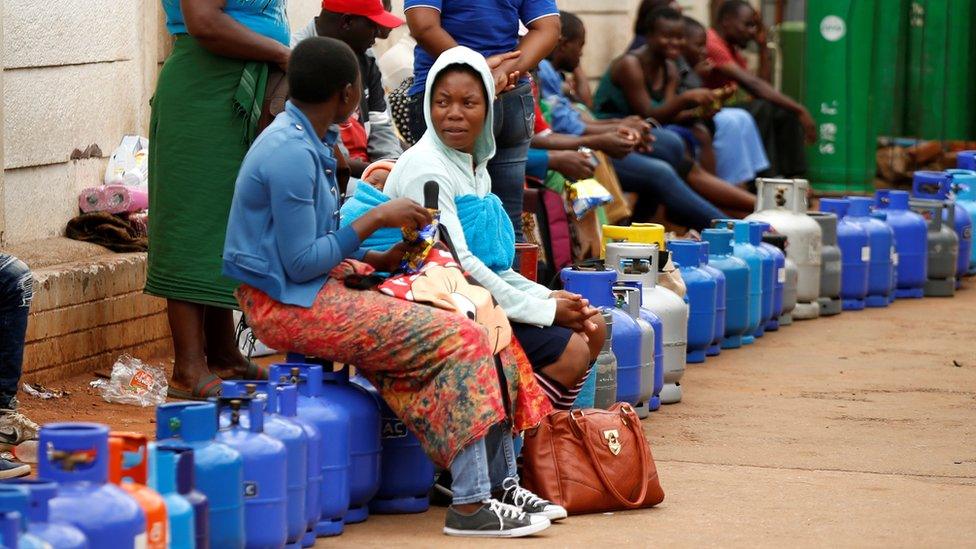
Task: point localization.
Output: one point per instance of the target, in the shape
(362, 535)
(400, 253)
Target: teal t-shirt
(265, 17)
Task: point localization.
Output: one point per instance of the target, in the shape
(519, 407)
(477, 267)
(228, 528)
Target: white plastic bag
(129, 163)
(133, 382)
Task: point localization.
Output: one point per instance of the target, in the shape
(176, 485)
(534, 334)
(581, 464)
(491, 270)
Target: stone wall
(78, 73)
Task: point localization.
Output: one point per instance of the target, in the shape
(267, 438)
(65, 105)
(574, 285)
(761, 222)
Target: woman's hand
(698, 96)
(388, 261)
(574, 313)
(574, 165)
(401, 212)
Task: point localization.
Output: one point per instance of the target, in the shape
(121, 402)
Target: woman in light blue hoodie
(560, 332)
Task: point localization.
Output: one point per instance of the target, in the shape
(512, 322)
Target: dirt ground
(857, 430)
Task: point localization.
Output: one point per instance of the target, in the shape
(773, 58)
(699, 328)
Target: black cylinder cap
(778, 240)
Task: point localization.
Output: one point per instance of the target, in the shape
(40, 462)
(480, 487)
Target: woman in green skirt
(204, 117)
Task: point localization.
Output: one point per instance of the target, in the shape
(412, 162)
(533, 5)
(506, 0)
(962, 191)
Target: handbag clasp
(613, 441)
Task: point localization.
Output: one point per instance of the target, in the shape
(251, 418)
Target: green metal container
(941, 101)
(890, 67)
(792, 43)
(838, 94)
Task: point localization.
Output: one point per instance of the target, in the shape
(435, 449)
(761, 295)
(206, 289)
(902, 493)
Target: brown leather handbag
(591, 461)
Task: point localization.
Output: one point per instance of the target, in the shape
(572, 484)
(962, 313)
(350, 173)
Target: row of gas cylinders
(277, 464)
(781, 263)
(266, 465)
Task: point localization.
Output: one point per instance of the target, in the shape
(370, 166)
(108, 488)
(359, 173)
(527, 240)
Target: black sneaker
(494, 520)
(12, 469)
(529, 502)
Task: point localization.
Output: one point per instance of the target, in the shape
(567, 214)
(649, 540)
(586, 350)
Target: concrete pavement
(857, 430)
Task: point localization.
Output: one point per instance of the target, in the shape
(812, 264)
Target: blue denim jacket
(283, 234)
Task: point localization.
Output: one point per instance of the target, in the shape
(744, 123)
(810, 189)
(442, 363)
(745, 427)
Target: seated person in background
(16, 292)
(739, 152)
(433, 366)
(783, 123)
(644, 81)
(657, 176)
(640, 22)
(359, 24)
(561, 334)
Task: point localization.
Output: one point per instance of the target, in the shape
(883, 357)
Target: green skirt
(203, 117)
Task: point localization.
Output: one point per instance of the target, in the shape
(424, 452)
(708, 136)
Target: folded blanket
(106, 230)
(487, 228)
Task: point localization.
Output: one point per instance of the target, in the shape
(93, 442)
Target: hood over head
(484, 148)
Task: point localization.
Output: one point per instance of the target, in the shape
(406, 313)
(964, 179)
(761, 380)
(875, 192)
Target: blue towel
(365, 198)
(487, 228)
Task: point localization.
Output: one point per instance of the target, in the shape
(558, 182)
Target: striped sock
(561, 397)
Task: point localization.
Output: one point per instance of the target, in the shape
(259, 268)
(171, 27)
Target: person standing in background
(490, 28)
(359, 23)
(204, 116)
(16, 293)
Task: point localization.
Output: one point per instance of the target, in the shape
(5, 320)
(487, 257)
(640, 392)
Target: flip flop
(207, 387)
(256, 371)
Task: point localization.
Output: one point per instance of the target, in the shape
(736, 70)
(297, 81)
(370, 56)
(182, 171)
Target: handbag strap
(633, 424)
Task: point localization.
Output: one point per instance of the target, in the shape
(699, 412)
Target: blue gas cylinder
(14, 499)
(882, 216)
(265, 470)
(855, 254)
(365, 447)
(9, 529)
(179, 511)
(756, 230)
(186, 487)
(911, 242)
(287, 399)
(407, 473)
(964, 184)
(215, 466)
(333, 424)
(628, 295)
(701, 297)
(775, 244)
(777, 275)
(75, 455)
(744, 249)
(597, 287)
(637, 266)
(720, 299)
(737, 285)
(657, 325)
(881, 241)
(296, 448)
(939, 186)
(57, 534)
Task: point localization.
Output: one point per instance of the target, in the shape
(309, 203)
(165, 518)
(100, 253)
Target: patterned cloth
(433, 367)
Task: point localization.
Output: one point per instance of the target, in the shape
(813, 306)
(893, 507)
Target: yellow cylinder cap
(644, 233)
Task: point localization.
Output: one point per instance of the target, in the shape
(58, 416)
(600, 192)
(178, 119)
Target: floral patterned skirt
(433, 367)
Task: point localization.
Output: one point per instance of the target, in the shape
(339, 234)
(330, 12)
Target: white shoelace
(504, 511)
(520, 495)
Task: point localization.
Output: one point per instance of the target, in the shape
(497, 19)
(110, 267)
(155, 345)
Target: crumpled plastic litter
(39, 391)
(133, 382)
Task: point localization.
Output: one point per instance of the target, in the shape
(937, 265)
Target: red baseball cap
(372, 9)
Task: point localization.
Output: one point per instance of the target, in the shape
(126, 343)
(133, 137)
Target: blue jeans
(654, 177)
(16, 292)
(483, 465)
(514, 123)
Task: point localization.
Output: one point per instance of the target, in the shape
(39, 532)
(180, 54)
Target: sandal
(208, 387)
(256, 372)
